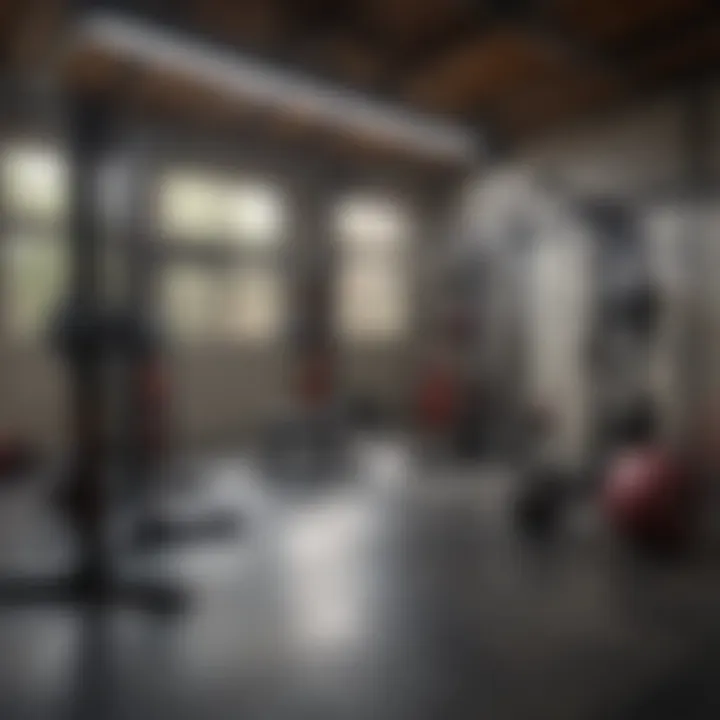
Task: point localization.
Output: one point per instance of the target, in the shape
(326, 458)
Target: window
(191, 302)
(206, 304)
(255, 304)
(191, 207)
(365, 222)
(35, 183)
(35, 281)
(371, 304)
(243, 299)
(256, 223)
(35, 201)
(373, 278)
(255, 216)
(202, 207)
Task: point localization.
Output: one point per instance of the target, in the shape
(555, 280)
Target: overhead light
(251, 81)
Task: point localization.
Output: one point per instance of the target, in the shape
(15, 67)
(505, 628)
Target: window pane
(191, 207)
(36, 279)
(255, 305)
(373, 301)
(372, 292)
(371, 222)
(255, 214)
(191, 303)
(35, 182)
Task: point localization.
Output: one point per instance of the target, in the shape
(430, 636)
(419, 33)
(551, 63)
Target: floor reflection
(327, 549)
(381, 597)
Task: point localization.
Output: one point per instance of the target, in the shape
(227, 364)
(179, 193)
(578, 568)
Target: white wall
(631, 154)
(634, 155)
(222, 393)
(32, 396)
(560, 279)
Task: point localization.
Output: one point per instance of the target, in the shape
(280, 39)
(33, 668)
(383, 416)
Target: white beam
(236, 76)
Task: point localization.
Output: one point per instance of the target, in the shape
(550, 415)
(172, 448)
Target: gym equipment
(545, 487)
(306, 440)
(637, 308)
(88, 339)
(438, 398)
(648, 494)
(17, 458)
(311, 435)
(366, 414)
(626, 316)
(540, 502)
(436, 407)
(622, 324)
(145, 442)
(470, 438)
(650, 498)
(460, 406)
(633, 301)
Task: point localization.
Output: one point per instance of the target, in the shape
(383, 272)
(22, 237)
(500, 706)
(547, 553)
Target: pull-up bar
(241, 78)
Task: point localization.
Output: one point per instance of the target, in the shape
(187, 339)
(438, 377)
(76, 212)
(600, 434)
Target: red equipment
(16, 457)
(438, 399)
(649, 497)
(155, 394)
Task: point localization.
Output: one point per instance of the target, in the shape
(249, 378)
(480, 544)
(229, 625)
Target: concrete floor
(397, 592)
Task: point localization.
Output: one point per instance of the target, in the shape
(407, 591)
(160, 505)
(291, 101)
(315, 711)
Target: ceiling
(514, 69)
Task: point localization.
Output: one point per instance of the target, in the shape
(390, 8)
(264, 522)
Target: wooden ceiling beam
(11, 17)
(538, 22)
(471, 26)
(321, 20)
(657, 39)
(644, 91)
(165, 13)
(285, 93)
(531, 17)
(653, 43)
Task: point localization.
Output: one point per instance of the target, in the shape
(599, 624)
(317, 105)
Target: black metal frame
(94, 580)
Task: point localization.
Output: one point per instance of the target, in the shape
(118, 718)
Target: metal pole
(87, 136)
(694, 362)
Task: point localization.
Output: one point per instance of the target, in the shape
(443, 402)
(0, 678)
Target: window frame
(28, 226)
(353, 250)
(223, 255)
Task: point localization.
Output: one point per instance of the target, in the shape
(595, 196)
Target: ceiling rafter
(534, 19)
(655, 42)
(659, 37)
(352, 45)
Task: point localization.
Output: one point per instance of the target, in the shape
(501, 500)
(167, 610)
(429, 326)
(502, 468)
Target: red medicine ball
(648, 496)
